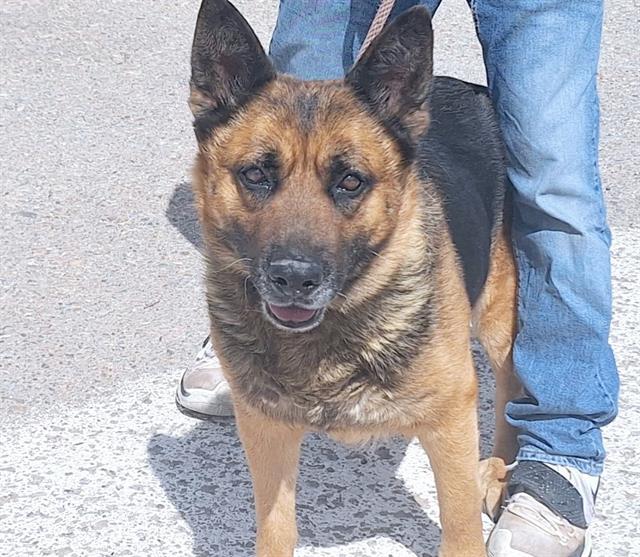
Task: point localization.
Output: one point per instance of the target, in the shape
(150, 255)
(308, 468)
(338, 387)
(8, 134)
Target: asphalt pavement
(102, 306)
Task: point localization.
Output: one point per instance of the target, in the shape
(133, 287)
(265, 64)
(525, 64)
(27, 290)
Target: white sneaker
(203, 392)
(546, 514)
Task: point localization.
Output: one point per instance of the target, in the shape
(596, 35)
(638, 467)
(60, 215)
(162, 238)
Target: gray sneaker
(203, 392)
(546, 513)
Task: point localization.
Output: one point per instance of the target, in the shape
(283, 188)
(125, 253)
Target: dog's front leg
(453, 451)
(273, 450)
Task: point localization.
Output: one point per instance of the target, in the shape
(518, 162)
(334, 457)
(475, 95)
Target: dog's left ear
(394, 74)
(228, 65)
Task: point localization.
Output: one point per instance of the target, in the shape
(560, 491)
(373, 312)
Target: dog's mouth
(294, 318)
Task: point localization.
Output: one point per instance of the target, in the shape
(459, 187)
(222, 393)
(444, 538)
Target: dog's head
(300, 185)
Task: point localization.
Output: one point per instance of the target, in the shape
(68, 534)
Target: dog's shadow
(344, 495)
(181, 213)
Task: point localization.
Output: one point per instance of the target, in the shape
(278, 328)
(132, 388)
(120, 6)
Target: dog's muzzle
(295, 291)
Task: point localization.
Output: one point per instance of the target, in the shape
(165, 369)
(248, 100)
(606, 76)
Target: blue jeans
(541, 58)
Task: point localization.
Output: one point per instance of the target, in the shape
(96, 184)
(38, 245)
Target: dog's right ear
(228, 65)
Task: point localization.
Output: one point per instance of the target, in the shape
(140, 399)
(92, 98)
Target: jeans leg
(320, 39)
(541, 58)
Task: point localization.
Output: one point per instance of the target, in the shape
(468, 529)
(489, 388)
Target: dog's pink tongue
(292, 313)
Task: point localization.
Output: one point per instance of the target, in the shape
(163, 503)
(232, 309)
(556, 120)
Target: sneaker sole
(588, 548)
(586, 551)
(201, 416)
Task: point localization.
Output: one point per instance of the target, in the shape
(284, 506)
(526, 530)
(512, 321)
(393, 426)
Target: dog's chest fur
(351, 371)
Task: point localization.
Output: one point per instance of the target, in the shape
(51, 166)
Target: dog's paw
(493, 483)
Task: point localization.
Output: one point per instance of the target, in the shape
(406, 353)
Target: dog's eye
(351, 184)
(254, 176)
(258, 181)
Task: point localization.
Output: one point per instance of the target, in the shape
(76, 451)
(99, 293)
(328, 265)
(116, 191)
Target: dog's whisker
(246, 296)
(234, 262)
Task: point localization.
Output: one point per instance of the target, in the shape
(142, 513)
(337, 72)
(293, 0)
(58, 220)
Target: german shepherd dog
(355, 238)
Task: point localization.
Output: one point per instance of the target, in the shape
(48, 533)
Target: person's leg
(541, 58)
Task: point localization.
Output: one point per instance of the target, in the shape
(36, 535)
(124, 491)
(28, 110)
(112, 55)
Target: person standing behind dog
(541, 59)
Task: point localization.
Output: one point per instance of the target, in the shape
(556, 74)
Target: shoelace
(525, 507)
(206, 352)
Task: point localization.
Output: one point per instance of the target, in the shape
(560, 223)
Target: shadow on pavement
(181, 213)
(486, 409)
(344, 495)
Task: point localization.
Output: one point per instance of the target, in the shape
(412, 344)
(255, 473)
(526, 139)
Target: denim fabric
(320, 39)
(541, 58)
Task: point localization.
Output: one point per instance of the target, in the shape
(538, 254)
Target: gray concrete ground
(101, 304)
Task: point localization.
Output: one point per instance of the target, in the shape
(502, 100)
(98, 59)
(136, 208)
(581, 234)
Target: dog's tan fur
(408, 301)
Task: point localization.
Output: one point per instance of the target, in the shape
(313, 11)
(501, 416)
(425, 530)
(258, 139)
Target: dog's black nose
(292, 276)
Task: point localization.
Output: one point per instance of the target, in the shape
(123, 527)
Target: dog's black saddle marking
(463, 154)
